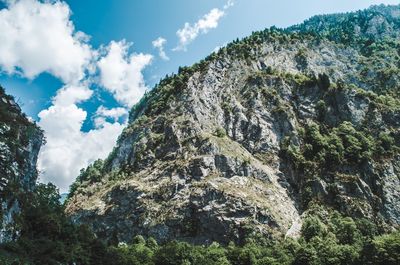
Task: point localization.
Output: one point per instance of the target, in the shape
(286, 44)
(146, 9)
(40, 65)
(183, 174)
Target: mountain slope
(20, 142)
(253, 138)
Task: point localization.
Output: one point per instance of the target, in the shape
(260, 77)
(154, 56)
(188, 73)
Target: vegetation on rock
(206, 160)
(327, 237)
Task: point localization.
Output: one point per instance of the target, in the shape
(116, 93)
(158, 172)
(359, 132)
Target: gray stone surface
(183, 180)
(20, 142)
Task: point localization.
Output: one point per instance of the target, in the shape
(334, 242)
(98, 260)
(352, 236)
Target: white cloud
(69, 95)
(190, 32)
(38, 37)
(159, 44)
(68, 149)
(229, 4)
(121, 73)
(114, 113)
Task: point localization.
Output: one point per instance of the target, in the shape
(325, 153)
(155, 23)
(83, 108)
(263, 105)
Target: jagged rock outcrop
(20, 142)
(247, 140)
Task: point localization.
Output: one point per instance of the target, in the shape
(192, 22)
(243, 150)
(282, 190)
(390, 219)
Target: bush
(386, 144)
(93, 173)
(383, 250)
(312, 227)
(340, 240)
(220, 132)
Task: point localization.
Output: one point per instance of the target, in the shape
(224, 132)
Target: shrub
(312, 227)
(220, 132)
(383, 250)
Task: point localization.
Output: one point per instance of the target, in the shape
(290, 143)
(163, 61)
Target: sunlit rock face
(246, 141)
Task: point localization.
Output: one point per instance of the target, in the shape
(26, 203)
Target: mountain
(281, 148)
(271, 129)
(20, 142)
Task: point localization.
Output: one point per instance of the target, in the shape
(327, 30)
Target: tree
(306, 255)
(384, 250)
(346, 230)
(312, 227)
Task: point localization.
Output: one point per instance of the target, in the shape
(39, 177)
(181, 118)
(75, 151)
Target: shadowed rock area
(20, 142)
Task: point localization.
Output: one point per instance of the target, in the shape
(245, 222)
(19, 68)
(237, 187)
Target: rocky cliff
(253, 137)
(20, 141)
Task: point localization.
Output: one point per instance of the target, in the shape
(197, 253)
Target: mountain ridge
(211, 152)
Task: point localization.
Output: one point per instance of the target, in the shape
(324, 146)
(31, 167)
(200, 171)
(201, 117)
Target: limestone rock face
(203, 156)
(20, 142)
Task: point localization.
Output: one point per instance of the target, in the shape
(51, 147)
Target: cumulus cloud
(114, 113)
(103, 113)
(121, 72)
(39, 37)
(190, 32)
(68, 149)
(159, 44)
(69, 95)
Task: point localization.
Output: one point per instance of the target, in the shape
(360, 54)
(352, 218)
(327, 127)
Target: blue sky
(90, 100)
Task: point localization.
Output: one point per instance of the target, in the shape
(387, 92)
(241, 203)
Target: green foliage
(358, 145)
(386, 144)
(220, 132)
(321, 109)
(139, 240)
(174, 253)
(340, 27)
(227, 107)
(306, 255)
(344, 144)
(323, 152)
(167, 90)
(48, 237)
(93, 173)
(384, 250)
(301, 58)
(246, 161)
(345, 229)
(134, 254)
(312, 227)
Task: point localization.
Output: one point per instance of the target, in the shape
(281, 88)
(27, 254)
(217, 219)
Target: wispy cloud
(189, 32)
(103, 113)
(209, 21)
(229, 4)
(114, 113)
(159, 44)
